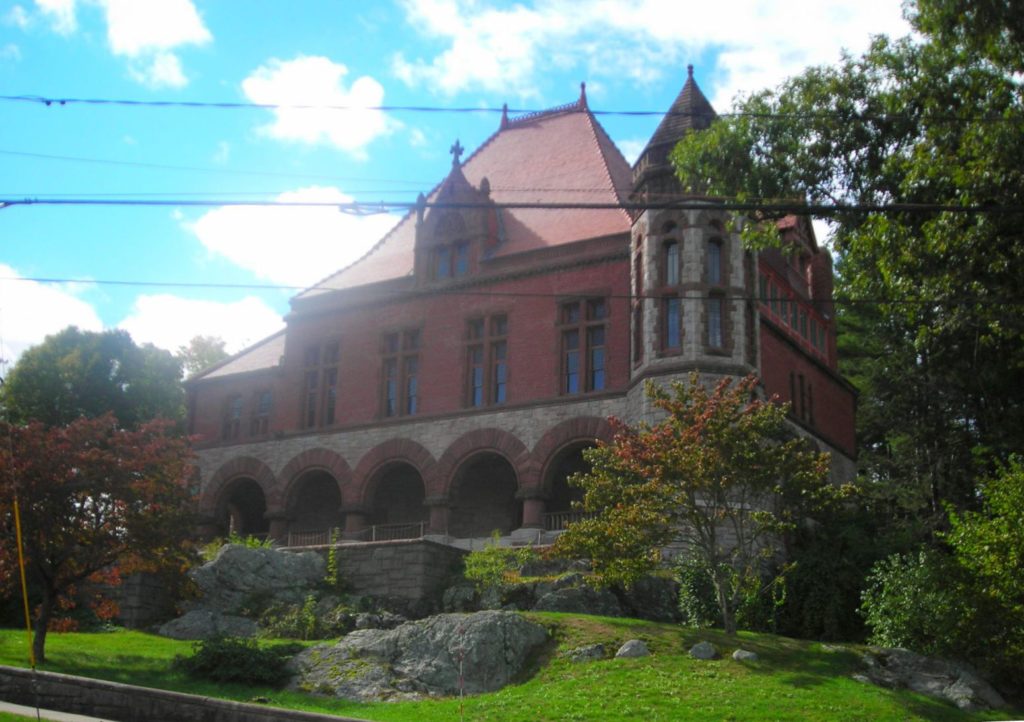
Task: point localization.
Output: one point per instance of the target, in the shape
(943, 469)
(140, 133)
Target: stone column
(440, 508)
(278, 526)
(355, 521)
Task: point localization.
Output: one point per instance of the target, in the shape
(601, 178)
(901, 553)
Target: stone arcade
(446, 383)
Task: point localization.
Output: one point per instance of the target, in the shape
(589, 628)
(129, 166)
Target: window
(487, 360)
(714, 307)
(232, 418)
(451, 261)
(638, 307)
(714, 260)
(671, 263)
(320, 385)
(671, 303)
(260, 422)
(673, 332)
(583, 344)
(400, 373)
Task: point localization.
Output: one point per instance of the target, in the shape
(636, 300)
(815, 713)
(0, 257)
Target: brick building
(447, 382)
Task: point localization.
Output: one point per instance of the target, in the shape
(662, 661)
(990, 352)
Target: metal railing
(373, 533)
(559, 520)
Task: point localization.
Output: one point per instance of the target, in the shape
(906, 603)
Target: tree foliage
(719, 473)
(91, 495)
(74, 374)
(928, 301)
(201, 353)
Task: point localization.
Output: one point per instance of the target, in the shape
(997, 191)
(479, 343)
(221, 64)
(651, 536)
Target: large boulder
(422, 658)
(204, 623)
(583, 599)
(245, 579)
(950, 681)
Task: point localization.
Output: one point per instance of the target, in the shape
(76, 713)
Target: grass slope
(793, 680)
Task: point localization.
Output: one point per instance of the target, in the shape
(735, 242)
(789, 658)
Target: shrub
(230, 659)
(497, 567)
(210, 549)
(914, 601)
(309, 620)
(697, 603)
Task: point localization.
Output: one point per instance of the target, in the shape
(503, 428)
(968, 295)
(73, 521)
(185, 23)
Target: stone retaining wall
(126, 703)
(412, 569)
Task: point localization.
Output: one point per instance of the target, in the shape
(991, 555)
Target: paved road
(47, 714)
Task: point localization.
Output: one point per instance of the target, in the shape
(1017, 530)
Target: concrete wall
(127, 703)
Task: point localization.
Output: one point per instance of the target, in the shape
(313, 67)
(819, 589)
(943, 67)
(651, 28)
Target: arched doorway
(560, 493)
(483, 498)
(396, 503)
(242, 509)
(314, 505)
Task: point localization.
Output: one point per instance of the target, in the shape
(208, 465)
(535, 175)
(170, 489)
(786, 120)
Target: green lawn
(793, 680)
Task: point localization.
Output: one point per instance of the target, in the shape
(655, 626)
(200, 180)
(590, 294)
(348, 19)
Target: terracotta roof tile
(558, 156)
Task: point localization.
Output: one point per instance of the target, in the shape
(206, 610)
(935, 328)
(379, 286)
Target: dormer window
(451, 261)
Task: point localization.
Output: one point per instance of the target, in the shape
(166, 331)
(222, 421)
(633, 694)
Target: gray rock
(653, 597)
(586, 653)
(381, 620)
(704, 650)
(422, 658)
(633, 648)
(950, 681)
(240, 578)
(460, 598)
(743, 655)
(204, 623)
(580, 600)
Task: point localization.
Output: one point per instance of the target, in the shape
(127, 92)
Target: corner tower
(692, 281)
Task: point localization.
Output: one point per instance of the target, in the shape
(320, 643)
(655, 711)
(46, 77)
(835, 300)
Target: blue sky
(437, 53)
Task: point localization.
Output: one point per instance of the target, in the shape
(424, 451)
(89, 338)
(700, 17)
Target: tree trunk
(724, 605)
(41, 625)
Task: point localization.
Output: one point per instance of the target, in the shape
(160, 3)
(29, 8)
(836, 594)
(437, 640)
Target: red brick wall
(834, 402)
(531, 305)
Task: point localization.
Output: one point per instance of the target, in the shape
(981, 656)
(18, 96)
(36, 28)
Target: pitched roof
(561, 155)
(262, 355)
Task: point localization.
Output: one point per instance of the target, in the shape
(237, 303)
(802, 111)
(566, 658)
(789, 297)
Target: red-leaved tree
(91, 496)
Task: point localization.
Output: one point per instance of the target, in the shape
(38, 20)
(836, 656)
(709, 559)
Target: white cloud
(761, 41)
(632, 148)
(18, 17)
(60, 14)
(316, 80)
(11, 52)
(146, 32)
(137, 28)
(30, 311)
(170, 321)
(291, 246)
(160, 70)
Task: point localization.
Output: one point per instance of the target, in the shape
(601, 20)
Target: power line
(366, 208)
(484, 110)
(953, 301)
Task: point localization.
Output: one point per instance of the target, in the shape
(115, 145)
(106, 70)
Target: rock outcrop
(950, 681)
(422, 658)
(239, 577)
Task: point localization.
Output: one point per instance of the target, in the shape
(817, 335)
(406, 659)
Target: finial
(421, 207)
(504, 116)
(485, 186)
(689, 71)
(456, 151)
(583, 95)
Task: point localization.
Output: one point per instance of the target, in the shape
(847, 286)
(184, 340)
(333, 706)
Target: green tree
(91, 495)
(929, 297)
(74, 374)
(720, 473)
(201, 353)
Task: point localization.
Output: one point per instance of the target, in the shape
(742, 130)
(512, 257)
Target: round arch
(483, 496)
(240, 466)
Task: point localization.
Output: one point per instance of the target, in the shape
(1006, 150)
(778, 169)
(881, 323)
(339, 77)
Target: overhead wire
(457, 291)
